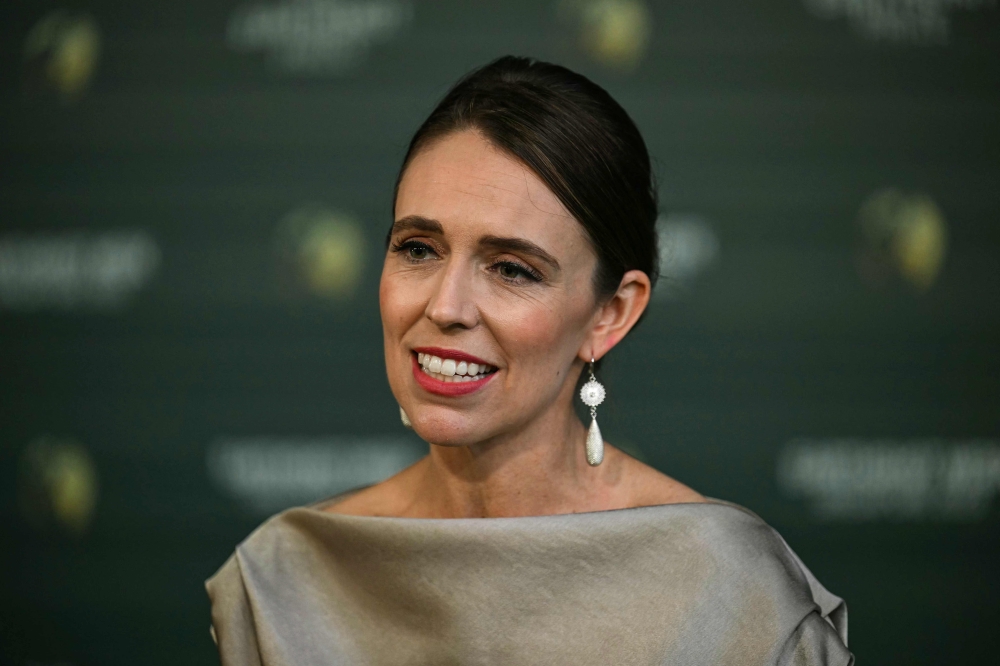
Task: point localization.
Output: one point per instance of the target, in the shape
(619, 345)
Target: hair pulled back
(577, 139)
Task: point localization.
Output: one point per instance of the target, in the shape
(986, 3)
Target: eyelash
(410, 245)
(527, 271)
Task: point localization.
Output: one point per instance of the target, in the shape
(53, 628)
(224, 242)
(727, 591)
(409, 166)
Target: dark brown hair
(577, 139)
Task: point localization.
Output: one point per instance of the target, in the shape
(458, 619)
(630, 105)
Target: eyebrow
(522, 245)
(519, 245)
(411, 222)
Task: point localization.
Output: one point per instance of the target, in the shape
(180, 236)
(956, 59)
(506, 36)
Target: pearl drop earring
(404, 418)
(592, 394)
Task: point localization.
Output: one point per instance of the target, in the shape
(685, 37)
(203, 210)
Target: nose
(452, 304)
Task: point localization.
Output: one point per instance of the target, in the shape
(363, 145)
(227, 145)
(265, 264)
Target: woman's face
(488, 272)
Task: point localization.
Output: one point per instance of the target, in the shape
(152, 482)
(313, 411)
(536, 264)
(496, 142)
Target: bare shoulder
(386, 498)
(647, 486)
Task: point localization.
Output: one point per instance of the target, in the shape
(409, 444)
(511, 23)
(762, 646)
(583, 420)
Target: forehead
(470, 186)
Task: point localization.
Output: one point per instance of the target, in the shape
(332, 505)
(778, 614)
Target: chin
(446, 426)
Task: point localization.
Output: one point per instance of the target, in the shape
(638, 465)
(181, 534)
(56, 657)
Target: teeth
(449, 370)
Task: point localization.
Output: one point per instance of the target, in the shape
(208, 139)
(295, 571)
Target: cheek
(400, 306)
(543, 334)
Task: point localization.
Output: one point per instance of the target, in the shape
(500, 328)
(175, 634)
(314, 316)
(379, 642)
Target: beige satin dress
(687, 584)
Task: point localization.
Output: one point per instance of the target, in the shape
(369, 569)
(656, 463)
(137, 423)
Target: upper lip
(451, 353)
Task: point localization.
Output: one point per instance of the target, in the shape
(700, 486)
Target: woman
(523, 249)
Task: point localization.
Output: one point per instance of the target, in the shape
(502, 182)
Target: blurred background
(193, 201)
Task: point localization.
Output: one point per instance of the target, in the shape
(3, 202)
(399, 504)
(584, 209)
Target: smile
(447, 372)
(452, 370)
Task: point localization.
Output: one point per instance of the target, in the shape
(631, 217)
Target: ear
(618, 315)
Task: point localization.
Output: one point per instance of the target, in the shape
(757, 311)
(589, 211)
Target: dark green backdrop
(793, 367)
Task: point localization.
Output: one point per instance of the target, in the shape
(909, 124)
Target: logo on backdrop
(320, 252)
(896, 480)
(268, 474)
(910, 21)
(57, 485)
(61, 53)
(77, 270)
(316, 37)
(615, 33)
(902, 237)
(688, 248)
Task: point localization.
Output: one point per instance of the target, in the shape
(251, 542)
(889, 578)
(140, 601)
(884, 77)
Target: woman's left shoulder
(745, 552)
(752, 556)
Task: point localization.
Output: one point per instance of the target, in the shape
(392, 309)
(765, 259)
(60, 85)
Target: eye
(417, 251)
(509, 271)
(515, 272)
(413, 250)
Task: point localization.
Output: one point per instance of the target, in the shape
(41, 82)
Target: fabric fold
(707, 583)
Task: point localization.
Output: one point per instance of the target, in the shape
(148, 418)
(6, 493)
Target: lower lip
(438, 387)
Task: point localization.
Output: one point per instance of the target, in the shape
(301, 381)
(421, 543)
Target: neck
(540, 470)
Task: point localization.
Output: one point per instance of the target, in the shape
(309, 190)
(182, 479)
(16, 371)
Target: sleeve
(232, 618)
(832, 608)
(815, 642)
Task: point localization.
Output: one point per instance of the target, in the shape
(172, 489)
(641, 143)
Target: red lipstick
(451, 389)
